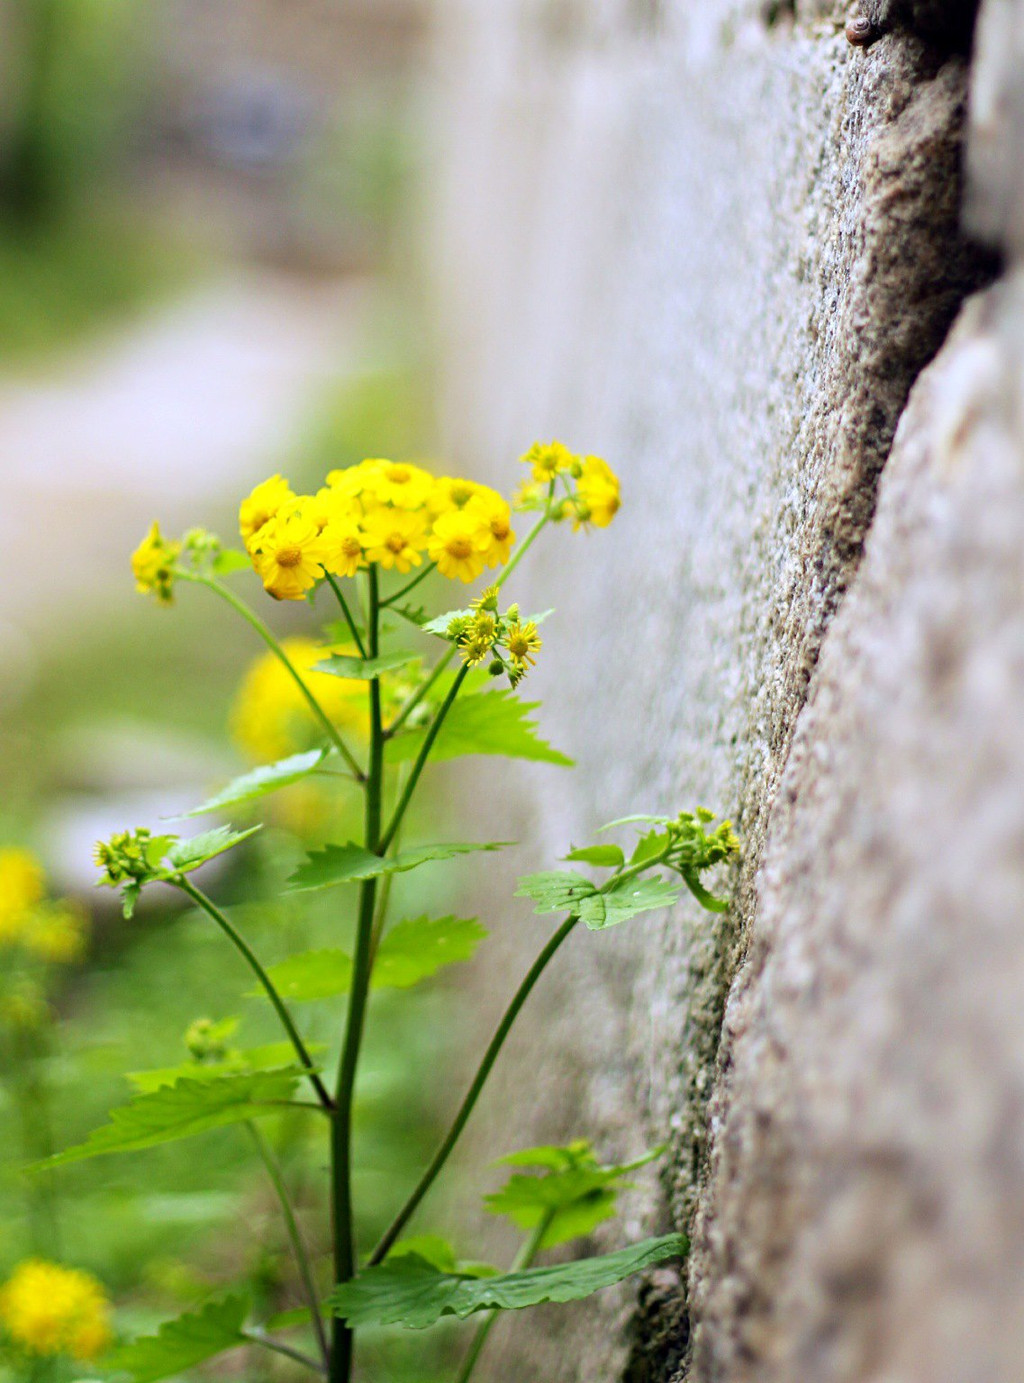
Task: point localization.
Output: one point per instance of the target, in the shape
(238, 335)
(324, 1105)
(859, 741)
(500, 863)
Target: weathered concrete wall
(719, 245)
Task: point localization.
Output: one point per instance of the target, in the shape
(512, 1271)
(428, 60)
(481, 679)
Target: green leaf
(345, 864)
(649, 845)
(186, 855)
(637, 816)
(703, 897)
(181, 1344)
(230, 559)
(489, 722)
(274, 1055)
(559, 890)
(363, 669)
(288, 1320)
(637, 895)
(431, 1248)
(188, 1107)
(439, 625)
(408, 1291)
(610, 856)
(259, 781)
(411, 951)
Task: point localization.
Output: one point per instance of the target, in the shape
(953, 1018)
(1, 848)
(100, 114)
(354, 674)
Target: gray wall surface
(725, 248)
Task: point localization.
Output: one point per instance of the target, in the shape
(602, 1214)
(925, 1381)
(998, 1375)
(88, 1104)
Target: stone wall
(721, 245)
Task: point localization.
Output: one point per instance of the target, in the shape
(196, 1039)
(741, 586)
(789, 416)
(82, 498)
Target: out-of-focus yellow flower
(262, 505)
(22, 885)
(497, 514)
(352, 481)
(153, 565)
(345, 544)
(288, 552)
(547, 459)
(598, 493)
(24, 1008)
(270, 718)
(458, 544)
(55, 933)
(395, 537)
(49, 1310)
(400, 484)
(452, 492)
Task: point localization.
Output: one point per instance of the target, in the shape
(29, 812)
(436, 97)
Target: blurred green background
(203, 279)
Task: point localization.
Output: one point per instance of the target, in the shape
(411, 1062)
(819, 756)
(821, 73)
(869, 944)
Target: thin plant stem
(523, 1259)
(353, 628)
(410, 586)
(240, 943)
(253, 619)
(362, 965)
(421, 758)
(473, 1093)
(257, 1337)
(299, 1250)
(522, 550)
(418, 695)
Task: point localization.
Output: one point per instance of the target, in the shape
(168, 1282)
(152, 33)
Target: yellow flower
(270, 718)
(153, 565)
(529, 495)
(452, 492)
(22, 885)
(598, 492)
(290, 552)
(522, 641)
(55, 934)
(262, 505)
(497, 515)
(395, 538)
(458, 544)
(400, 484)
(48, 1310)
(345, 545)
(352, 481)
(547, 459)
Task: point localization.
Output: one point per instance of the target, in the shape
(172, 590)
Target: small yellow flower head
(529, 495)
(289, 552)
(22, 885)
(50, 1310)
(153, 565)
(452, 492)
(262, 505)
(547, 459)
(56, 934)
(399, 484)
(129, 855)
(598, 493)
(352, 482)
(459, 544)
(475, 650)
(395, 538)
(345, 544)
(270, 718)
(486, 600)
(522, 641)
(496, 513)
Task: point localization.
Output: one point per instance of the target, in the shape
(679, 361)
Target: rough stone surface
(718, 244)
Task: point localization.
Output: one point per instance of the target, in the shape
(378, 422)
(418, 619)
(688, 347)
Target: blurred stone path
(172, 418)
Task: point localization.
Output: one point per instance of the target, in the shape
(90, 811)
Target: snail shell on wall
(860, 31)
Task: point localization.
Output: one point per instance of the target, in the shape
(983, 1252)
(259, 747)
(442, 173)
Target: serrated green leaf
(364, 669)
(271, 1056)
(439, 624)
(186, 855)
(259, 781)
(556, 890)
(411, 951)
(649, 845)
(181, 1344)
(230, 559)
(431, 1248)
(344, 864)
(178, 1111)
(408, 1291)
(637, 895)
(606, 856)
(487, 722)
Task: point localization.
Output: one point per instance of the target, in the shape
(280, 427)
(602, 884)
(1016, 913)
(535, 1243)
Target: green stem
(522, 550)
(353, 628)
(239, 942)
(253, 619)
(523, 1259)
(411, 586)
(473, 1093)
(257, 1337)
(421, 758)
(302, 1261)
(418, 695)
(362, 964)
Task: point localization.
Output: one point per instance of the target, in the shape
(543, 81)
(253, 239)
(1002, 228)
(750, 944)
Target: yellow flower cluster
(271, 719)
(483, 633)
(47, 1309)
(153, 565)
(385, 512)
(592, 492)
(53, 932)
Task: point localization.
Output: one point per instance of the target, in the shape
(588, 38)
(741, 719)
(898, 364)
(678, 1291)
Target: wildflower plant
(390, 688)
